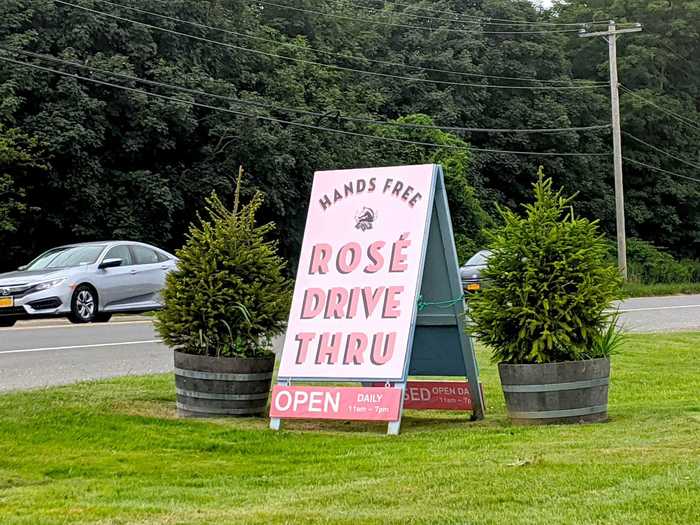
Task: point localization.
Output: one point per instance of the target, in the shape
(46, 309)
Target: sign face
(359, 275)
(317, 402)
(438, 395)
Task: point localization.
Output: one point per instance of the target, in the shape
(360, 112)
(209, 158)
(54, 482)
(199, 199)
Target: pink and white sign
(316, 402)
(438, 395)
(359, 269)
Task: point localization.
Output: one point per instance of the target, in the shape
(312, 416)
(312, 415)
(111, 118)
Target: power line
(299, 110)
(297, 124)
(692, 165)
(627, 159)
(671, 51)
(494, 21)
(461, 19)
(678, 117)
(378, 11)
(405, 26)
(330, 66)
(339, 55)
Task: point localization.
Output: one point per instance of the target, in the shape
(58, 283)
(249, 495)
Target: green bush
(549, 285)
(228, 296)
(648, 264)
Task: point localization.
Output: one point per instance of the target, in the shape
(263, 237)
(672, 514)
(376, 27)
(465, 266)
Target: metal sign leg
(394, 427)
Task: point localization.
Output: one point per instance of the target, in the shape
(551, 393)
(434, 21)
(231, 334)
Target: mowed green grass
(655, 290)
(114, 452)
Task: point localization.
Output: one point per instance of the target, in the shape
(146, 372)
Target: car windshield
(66, 257)
(479, 259)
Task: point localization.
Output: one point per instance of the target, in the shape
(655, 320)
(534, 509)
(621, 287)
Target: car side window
(162, 257)
(143, 255)
(120, 252)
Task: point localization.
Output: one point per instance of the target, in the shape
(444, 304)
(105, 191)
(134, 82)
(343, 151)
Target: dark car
(470, 273)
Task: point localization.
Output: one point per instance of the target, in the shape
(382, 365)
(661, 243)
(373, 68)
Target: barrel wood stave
(569, 392)
(222, 386)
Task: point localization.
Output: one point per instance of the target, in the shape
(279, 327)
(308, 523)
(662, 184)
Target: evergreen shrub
(228, 296)
(549, 285)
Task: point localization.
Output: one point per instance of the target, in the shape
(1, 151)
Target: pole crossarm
(584, 34)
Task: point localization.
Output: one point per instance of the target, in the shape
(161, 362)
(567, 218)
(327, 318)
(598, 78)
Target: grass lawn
(113, 452)
(656, 290)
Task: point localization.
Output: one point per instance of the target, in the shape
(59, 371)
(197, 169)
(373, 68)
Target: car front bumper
(54, 301)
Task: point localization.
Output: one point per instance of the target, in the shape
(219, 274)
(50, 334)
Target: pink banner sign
(438, 395)
(359, 270)
(312, 402)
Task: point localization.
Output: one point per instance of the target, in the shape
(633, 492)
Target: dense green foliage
(114, 452)
(549, 285)
(228, 296)
(650, 265)
(122, 164)
(20, 168)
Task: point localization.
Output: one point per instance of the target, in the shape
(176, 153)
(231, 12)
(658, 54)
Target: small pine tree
(549, 285)
(228, 296)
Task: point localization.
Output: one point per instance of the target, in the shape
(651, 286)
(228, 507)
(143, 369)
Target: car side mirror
(22, 268)
(110, 263)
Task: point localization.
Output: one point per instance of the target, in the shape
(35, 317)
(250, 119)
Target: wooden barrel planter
(570, 392)
(222, 386)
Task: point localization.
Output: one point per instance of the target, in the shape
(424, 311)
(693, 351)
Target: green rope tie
(422, 304)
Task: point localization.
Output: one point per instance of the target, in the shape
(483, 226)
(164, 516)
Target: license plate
(473, 286)
(7, 302)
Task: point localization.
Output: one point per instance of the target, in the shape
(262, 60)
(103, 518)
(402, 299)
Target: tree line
(288, 87)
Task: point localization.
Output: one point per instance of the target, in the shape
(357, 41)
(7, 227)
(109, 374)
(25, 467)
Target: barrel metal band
(549, 414)
(218, 376)
(223, 397)
(222, 411)
(553, 387)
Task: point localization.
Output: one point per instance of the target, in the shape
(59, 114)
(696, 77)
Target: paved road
(36, 354)
(661, 314)
(52, 353)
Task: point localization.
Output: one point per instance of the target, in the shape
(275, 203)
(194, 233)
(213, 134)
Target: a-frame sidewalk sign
(377, 300)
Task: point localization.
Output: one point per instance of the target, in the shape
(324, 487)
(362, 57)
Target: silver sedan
(86, 282)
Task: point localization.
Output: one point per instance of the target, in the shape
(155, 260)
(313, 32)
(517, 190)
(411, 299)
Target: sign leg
(276, 422)
(395, 426)
(472, 368)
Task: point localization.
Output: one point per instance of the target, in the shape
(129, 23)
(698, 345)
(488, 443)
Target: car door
(114, 285)
(149, 277)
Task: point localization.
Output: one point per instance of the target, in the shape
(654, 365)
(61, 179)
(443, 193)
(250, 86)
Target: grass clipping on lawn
(113, 452)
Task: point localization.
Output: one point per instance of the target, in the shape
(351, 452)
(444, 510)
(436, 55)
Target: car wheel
(5, 323)
(83, 308)
(102, 317)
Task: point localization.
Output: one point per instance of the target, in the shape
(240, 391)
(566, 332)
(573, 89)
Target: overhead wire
(678, 117)
(491, 20)
(672, 52)
(320, 64)
(298, 124)
(340, 55)
(649, 166)
(406, 26)
(316, 114)
(663, 152)
(384, 14)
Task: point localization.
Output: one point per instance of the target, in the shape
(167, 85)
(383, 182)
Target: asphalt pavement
(661, 314)
(54, 352)
(36, 354)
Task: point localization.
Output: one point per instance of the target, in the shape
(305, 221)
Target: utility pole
(611, 36)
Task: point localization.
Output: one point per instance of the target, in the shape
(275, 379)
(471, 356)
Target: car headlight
(48, 284)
